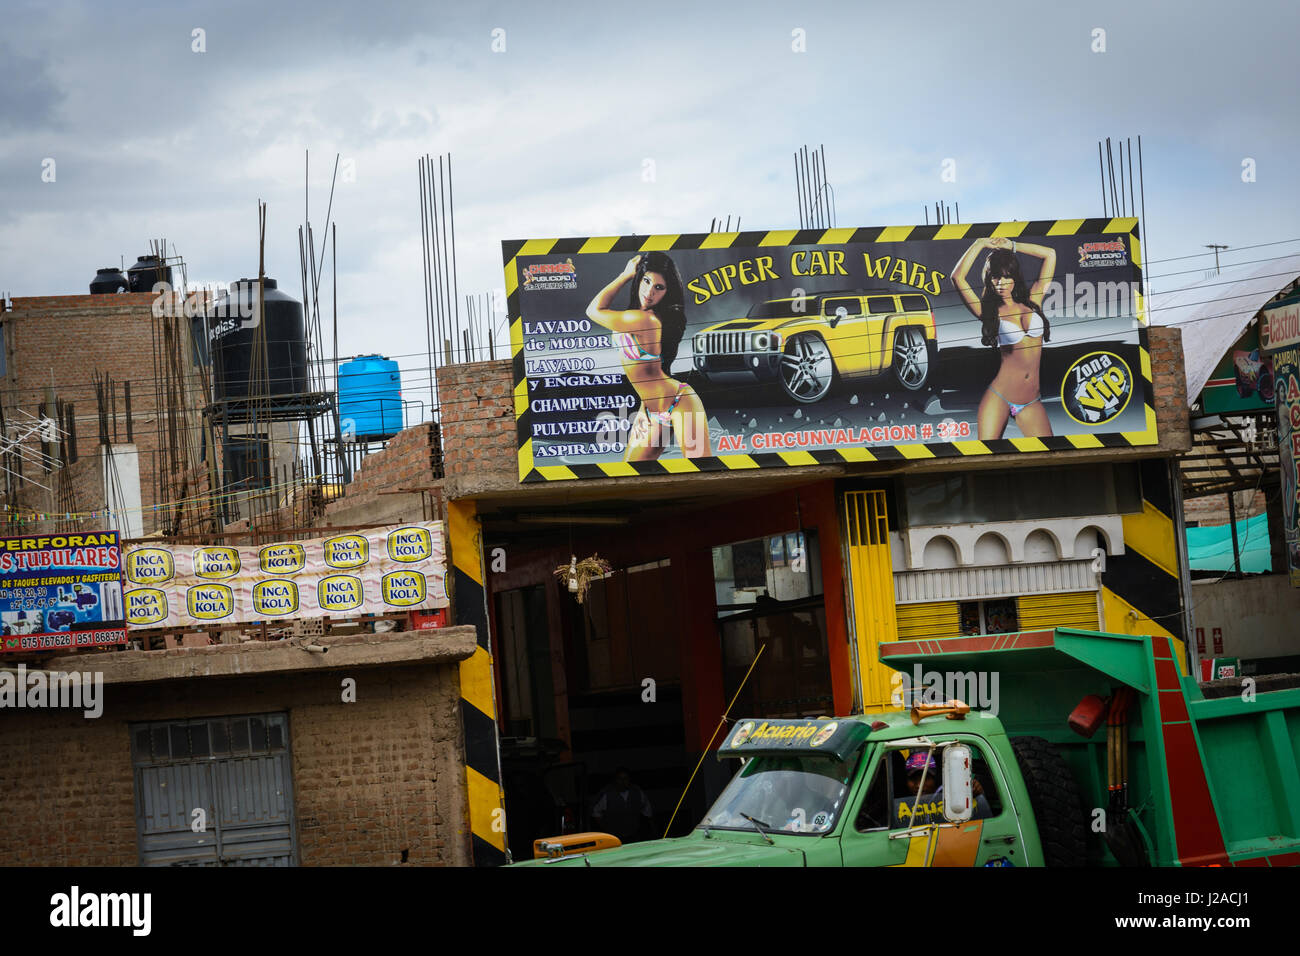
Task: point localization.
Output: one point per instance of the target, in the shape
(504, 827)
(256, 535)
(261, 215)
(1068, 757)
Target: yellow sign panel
(339, 592)
(346, 551)
(410, 544)
(282, 558)
(275, 598)
(150, 566)
(209, 602)
(145, 606)
(404, 588)
(216, 563)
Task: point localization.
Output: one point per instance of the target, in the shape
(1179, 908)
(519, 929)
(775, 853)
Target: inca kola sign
(399, 568)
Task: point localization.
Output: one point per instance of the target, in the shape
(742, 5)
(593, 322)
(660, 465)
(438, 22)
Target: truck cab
(848, 792)
(1178, 778)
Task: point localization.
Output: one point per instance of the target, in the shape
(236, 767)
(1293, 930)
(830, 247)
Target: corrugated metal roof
(1215, 311)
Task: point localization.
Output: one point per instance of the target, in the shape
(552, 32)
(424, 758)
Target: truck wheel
(1054, 798)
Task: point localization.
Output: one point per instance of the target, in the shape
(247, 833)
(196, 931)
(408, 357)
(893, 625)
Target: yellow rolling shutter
(1043, 611)
(871, 579)
(918, 621)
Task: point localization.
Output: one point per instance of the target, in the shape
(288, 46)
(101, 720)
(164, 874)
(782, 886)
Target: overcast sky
(550, 136)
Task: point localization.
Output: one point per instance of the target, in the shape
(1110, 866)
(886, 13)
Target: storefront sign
(394, 569)
(1242, 381)
(1279, 338)
(643, 355)
(61, 591)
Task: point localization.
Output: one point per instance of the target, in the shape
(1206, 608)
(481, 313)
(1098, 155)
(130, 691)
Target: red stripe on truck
(1197, 834)
(968, 645)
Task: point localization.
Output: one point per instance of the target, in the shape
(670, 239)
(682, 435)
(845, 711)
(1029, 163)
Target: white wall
(120, 467)
(1259, 615)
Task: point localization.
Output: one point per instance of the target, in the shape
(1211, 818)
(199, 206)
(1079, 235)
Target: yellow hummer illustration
(809, 342)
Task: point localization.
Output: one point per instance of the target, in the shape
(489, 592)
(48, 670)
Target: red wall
(687, 540)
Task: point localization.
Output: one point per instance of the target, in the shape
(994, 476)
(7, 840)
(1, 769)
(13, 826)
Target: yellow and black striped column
(1142, 588)
(478, 712)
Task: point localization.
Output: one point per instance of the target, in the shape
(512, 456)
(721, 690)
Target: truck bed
(1212, 781)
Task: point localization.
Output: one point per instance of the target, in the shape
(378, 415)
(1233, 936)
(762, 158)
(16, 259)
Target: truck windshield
(793, 794)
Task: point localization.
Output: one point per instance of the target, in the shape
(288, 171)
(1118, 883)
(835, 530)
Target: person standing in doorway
(622, 808)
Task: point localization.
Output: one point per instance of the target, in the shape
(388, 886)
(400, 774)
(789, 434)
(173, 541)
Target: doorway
(214, 792)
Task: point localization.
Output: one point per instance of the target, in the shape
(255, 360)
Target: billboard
(639, 355)
(61, 591)
(1242, 381)
(1279, 339)
(400, 568)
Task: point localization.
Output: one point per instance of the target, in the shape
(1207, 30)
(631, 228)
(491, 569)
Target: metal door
(214, 792)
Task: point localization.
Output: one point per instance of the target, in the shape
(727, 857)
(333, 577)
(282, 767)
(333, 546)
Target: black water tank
(108, 281)
(232, 323)
(147, 271)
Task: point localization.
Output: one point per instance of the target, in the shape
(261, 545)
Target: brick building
(80, 351)
(263, 741)
(406, 774)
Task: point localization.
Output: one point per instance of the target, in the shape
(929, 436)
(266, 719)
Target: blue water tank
(370, 398)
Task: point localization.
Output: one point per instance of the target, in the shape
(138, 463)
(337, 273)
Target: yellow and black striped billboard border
(512, 248)
(838, 456)
(530, 471)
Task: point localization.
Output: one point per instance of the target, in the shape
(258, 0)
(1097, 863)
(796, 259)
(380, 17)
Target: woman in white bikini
(648, 333)
(1012, 318)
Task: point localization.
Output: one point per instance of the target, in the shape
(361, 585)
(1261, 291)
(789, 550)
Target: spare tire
(1054, 798)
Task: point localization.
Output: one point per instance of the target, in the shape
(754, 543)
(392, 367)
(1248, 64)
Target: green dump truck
(1175, 779)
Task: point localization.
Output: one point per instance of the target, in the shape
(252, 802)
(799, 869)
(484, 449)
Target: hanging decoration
(578, 575)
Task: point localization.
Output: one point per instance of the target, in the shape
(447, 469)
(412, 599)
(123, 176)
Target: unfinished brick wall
(411, 459)
(478, 425)
(64, 340)
(1213, 509)
(370, 778)
(1169, 387)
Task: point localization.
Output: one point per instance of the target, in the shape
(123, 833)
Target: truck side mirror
(840, 313)
(958, 802)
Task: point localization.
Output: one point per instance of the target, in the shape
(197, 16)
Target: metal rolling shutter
(918, 621)
(236, 770)
(1042, 611)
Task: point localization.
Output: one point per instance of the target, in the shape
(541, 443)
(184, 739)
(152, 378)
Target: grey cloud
(29, 97)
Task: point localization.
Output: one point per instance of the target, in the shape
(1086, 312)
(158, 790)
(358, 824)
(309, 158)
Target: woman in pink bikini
(1012, 318)
(648, 333)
